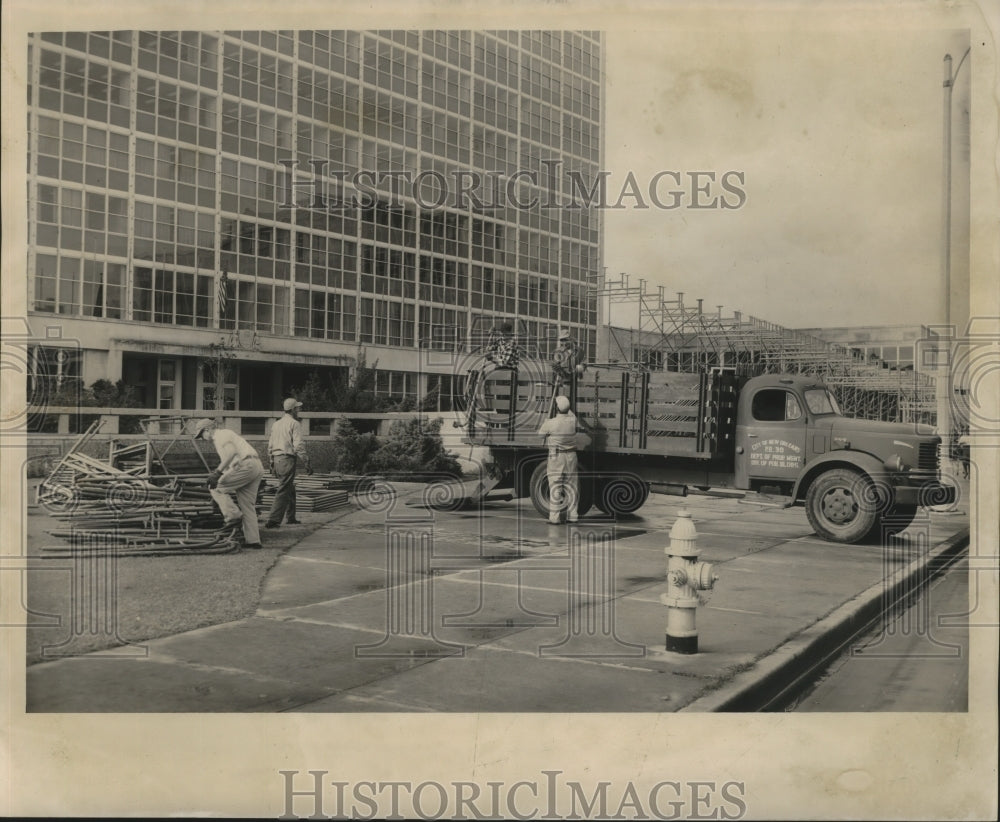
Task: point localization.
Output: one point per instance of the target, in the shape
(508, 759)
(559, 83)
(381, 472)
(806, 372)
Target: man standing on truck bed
(239, 473)
(564, 360)
(501, 349)
(285, 448)
(559, 434)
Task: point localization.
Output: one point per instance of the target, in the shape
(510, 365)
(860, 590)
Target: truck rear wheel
(621, 494)
(540, 492)
(842, 505)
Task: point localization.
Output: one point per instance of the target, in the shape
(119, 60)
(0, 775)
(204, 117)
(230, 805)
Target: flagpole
(220, 353)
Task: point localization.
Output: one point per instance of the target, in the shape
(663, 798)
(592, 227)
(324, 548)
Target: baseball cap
(564, 334)
(201, 426)
(562, 403)
(292, 403)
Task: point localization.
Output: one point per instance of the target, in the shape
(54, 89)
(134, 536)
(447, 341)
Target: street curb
(754, 689)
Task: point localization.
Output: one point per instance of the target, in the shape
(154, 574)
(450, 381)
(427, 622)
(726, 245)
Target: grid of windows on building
(396, 386)
(160, 159)
(893, 357)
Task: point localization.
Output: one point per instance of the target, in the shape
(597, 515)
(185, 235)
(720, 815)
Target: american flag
(223, 295)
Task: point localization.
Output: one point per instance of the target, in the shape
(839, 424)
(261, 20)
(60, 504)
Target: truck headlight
(895, 464)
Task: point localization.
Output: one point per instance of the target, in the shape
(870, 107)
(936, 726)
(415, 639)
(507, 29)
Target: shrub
(414, 446)
(350, 451)
(112, 394)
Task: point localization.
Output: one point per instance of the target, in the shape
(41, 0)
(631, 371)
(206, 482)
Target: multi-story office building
(299, 200)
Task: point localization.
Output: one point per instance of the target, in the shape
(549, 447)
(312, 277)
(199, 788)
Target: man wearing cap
(564, 360)
(286, 449)
(239, 473)
(559, 434)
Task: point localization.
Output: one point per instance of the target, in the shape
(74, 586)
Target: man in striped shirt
(285, 449)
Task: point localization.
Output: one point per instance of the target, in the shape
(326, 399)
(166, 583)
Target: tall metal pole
(949, 83)
(945, 377)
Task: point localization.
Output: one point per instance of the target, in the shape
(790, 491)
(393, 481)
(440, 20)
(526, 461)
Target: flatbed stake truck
(778, 434)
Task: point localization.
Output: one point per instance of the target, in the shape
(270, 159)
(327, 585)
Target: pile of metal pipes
(101, 507)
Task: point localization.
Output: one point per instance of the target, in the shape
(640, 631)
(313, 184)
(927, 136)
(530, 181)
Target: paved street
(918, 661)
(396, 607)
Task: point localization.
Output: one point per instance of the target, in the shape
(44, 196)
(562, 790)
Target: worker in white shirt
(239, 473)
(285, 450)
(559, 433)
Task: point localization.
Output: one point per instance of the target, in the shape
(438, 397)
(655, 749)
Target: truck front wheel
(841, 505)
(540, 492)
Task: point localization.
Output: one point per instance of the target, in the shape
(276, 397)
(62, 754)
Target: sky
(839, 136)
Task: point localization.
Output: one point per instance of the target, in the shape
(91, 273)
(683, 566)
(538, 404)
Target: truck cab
(854, 476)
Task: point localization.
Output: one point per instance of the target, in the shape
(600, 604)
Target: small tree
(341, 393)
(317, 392)
(359, 394)
(351, 451)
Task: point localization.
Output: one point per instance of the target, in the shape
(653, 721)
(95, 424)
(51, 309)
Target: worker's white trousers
(564, 493)
(243, 482)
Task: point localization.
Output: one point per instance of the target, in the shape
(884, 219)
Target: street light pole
(949, 84)
(945, 376)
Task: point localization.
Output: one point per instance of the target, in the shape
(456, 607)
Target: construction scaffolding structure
(671, 335)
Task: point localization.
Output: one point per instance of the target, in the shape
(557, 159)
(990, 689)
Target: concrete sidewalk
(395, 607)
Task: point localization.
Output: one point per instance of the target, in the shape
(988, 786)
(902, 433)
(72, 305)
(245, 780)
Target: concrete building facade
(298, 202)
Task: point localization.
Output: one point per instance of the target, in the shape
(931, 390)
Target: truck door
(771, 438)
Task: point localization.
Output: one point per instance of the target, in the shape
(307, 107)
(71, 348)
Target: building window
(395, 385)
(230, 388)
(443, 329)
(173, 298)
(167, 384)
(54, 373)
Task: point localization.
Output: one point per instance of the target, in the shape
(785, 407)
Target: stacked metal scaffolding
(681, 337)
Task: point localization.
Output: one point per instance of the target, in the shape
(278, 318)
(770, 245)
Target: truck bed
(623, 411)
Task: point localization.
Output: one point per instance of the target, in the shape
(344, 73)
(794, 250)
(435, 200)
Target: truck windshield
(821, 401)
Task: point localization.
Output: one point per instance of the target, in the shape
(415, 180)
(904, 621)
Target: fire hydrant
(686, 577)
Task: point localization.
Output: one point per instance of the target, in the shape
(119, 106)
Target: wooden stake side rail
(625, 411)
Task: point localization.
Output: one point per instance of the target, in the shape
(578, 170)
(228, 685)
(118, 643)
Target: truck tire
(895, 521)
(621, 494)
(540, 492)
(841, 505)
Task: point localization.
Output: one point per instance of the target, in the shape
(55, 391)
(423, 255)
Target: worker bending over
(239, 473)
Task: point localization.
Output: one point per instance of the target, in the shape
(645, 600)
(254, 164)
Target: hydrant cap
(683, 527)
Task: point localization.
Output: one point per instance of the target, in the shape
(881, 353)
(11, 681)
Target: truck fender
(856, 460)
